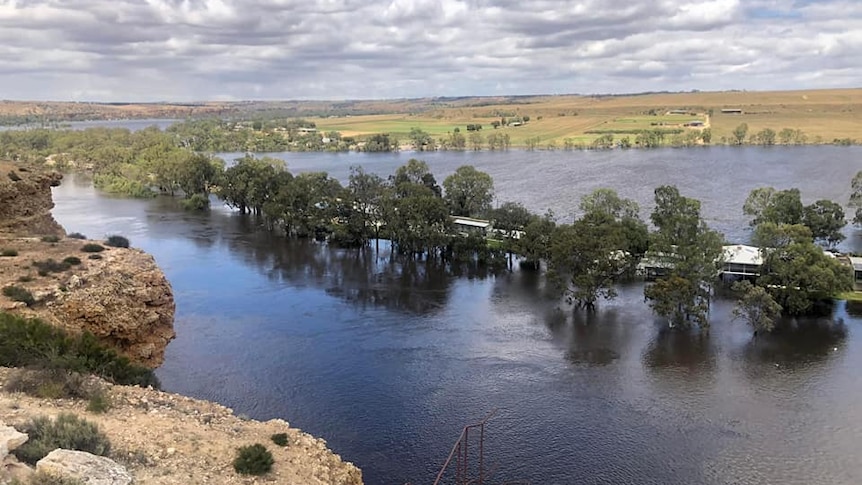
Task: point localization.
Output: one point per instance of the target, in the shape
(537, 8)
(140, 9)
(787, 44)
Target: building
(731, 111)
(741, 262)
(467, 226)
(856, 262)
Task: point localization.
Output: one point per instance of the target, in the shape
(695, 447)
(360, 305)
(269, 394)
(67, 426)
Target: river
(388, 361)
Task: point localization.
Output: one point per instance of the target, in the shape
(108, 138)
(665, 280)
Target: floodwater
(387, 361)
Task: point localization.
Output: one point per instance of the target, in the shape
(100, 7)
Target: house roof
(466, 221)
(856, 262)
(741, 254)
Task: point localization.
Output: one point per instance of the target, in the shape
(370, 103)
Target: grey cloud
(245, 49)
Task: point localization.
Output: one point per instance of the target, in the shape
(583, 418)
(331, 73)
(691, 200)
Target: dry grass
(827, 114)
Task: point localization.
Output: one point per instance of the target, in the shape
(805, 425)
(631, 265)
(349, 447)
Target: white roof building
(741, 254)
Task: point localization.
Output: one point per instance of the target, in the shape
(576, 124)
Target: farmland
(822, 115)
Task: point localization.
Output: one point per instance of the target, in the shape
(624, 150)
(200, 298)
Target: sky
(196, 50)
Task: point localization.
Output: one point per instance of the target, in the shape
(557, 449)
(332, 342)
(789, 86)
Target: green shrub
(92, 248)
(16, 293)
(8, 253)
(197, 202)
(72, 260)
(25, 279)
(280, 439)
(76, 235)
(67, 431)
(34, 343)
(94, 256)
(50, 239)
(51, 266)
(117, 184)
(117, 241)
(253, 460)
(100, 402)
(13, 176)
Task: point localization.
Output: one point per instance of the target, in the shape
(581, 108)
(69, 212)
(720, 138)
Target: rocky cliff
(25, 201)
(120, 295)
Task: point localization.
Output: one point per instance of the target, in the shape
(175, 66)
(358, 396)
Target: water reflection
(387, 359)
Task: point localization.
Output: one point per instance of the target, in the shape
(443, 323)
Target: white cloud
(271, 49)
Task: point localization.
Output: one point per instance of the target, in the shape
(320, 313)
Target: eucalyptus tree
(691, 250)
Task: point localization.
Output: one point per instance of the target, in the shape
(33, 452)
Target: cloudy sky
(183, 50)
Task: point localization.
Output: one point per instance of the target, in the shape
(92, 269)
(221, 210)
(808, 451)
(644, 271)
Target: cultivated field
(823, 115)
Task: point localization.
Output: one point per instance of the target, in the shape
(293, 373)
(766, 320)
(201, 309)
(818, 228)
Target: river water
(388, 361)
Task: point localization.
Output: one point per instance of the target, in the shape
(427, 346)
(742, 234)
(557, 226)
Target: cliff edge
(118, 294)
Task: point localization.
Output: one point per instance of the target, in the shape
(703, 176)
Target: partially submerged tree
(756, 306)
(800, 275)
(691, 250)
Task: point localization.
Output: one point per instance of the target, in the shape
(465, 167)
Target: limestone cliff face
(25, 202)
(123, 298)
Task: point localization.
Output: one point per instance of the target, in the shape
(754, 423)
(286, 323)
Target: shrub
(117, 184)
(68, 431)
(100, 402)
(51, 384)
(280, 439)
(25, 279)
(13, 176)
(117, 241)
(76, 235)
(50, 239)
(92, 248)
(94, 256)
(32, 342)
(197, 202)
(72, 260)
(50, 266)
(16, 293)
(8, 253)
(253, 460)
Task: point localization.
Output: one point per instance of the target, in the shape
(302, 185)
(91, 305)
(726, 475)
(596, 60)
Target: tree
(587, 257)
(765, 204)
(765, 137)
(706, 135)
(756, 306)
(534, 244)
(364, 214)
(800, 276)
(606, 201)
(692, 251)
(476, 140)
(416, 172)
(772, 235)
(826, 220)
(856, 197)
(197, 173)
(421, 140)
(469, 192)
(785, 136)
(739, 134)
(381, 142)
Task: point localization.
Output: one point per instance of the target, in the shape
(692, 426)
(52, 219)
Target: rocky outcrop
(123, 298)
(168, 439)
(84, 467)
(10, 439)
(25, 201)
